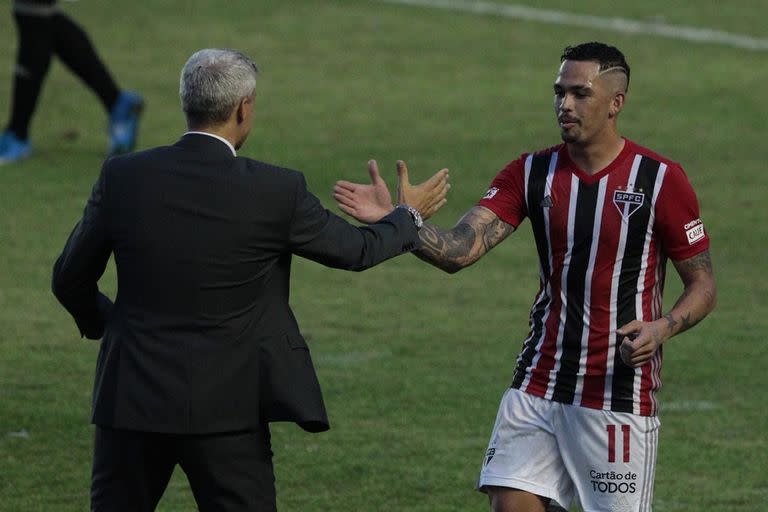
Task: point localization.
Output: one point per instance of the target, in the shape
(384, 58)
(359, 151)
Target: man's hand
(369, 203)
(641, 341)
(366, 203)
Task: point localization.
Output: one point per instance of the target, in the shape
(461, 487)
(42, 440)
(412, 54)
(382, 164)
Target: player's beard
(569, 136)
(573, 134)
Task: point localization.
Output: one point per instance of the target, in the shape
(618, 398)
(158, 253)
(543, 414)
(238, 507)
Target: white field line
(623, 25)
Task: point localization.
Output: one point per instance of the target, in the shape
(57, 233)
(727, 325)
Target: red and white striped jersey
(603, 241)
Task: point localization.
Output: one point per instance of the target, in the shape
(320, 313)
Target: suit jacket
(201, 338)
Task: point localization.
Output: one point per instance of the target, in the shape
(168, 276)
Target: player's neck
(595, 156)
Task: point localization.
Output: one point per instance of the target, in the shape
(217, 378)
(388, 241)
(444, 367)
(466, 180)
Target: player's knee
(32, 66)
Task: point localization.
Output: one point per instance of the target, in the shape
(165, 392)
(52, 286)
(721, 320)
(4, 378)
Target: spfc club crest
(628, 200)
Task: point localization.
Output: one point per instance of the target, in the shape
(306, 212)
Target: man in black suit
(200, 349)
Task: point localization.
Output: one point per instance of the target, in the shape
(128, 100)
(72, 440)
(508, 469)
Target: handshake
(370, 202)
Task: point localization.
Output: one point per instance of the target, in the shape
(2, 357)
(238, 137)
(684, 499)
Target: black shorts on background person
(44, 32)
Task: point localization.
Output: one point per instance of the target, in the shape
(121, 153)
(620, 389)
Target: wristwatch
(415, 215)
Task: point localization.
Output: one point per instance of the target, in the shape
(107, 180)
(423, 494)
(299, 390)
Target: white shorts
(604, 459)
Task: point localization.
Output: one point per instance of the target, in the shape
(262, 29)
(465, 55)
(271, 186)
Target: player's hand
(427, 197)
(366, 203)
(640, 342)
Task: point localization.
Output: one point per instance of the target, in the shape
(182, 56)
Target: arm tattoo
(463, 240)
(671, 322)
(701, 261)
(477, 232)
(698, 297)
(496, 231)
(687, 322)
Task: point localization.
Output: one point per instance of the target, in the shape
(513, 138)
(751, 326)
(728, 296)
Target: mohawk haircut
(609, 57)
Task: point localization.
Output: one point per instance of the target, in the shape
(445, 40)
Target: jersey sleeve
(678, 222)
(506, 195)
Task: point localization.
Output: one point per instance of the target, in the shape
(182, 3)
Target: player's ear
(617, 104)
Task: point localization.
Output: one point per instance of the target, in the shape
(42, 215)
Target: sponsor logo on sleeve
(491, 192)
(694, 231)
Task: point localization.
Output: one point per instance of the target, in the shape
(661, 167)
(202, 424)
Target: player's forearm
(479, 231)
(449, 250)
(696, 302)
(698, 298)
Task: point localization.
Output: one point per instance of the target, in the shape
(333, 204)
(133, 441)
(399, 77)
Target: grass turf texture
(412, 361)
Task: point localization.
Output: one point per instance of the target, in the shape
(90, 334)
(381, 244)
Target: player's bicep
(690, 268)
(697, 268)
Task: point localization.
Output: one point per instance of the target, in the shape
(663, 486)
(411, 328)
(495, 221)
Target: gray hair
(212, 82)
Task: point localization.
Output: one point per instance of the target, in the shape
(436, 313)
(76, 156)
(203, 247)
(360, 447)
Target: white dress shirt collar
(222, 139)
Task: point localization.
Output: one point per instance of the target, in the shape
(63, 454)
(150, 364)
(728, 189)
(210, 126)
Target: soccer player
(44, 31)
(579, 421)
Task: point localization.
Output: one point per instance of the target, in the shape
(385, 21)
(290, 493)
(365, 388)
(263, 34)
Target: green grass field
(412, 361)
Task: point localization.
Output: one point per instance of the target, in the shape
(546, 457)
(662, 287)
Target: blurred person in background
(44, 31)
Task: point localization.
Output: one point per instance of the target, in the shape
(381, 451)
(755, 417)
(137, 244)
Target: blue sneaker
(12, 148)
(124, 123)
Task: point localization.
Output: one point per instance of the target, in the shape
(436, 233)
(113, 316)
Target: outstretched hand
(366, 203)
(427, 197)
(369, 203)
